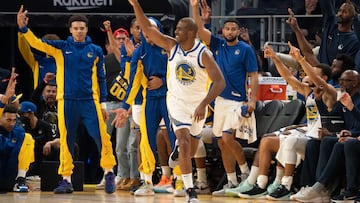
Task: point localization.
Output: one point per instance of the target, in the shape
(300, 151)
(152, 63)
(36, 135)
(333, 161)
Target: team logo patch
(237, 52)
(185, 74)
(90, 55)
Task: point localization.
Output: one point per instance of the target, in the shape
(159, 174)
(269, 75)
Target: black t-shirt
(112, 67)
(42, 133)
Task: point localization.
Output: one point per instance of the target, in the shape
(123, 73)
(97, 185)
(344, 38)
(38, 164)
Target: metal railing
(269, 30)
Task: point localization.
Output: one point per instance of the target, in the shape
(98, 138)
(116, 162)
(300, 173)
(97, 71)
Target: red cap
(119, 31)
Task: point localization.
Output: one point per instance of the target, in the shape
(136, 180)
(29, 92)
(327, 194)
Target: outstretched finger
(291, 12)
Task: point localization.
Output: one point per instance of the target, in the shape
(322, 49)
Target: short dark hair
(11, 108)
(190, 24)
(325, 70)
(51, 83)
(51, 37)
(232, 20)
(81, 18)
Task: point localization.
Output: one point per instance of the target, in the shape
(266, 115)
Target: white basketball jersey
(187, 78)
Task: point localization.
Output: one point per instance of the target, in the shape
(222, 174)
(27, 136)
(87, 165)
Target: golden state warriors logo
(185, 74)
(89, 55)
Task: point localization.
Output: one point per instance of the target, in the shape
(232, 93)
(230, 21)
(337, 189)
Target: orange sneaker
(164, 186)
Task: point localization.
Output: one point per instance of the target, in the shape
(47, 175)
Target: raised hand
(22, 19)
(268, 51)
(10, 89)
(292, 20)
(205, 11)
(294, 52)
(49, 76)
(346, 100)
(129, 47)
(107, 25)
(244, 34)
(194, 2)
(133, 2)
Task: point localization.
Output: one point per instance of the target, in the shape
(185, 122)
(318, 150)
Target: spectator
(47, 142)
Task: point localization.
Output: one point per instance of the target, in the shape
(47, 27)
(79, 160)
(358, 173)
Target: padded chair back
(290, 114)
(266, 116)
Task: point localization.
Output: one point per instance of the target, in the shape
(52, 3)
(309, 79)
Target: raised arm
(157, 37)
(204, 33)
(110, 36)
(285, 72)
(22, 21)
(329, 96)
(304, 45)
(25, 51)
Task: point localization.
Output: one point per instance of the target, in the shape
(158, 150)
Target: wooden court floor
(99, 196)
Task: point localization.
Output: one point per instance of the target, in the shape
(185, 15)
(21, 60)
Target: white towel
(245, 127)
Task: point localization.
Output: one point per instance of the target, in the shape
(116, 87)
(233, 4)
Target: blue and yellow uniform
(40, 65)
(147, 61)
(16, 153)
(81, 86)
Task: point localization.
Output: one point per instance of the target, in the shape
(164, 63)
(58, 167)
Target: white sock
(201, 175)
(244, 168)
(287, 181)
(262, 181)
(232, 178)
(67, 178)
(142, 176)
(279, 174)
(166, 171)
(253, 175)
(108, 170)
(188, 180)
(21, 173)
(148, 178)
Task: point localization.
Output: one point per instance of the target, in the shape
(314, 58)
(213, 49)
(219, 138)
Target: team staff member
(81, 87)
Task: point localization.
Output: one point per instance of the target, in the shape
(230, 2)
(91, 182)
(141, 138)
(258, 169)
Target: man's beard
(230, 39)
(343, 21)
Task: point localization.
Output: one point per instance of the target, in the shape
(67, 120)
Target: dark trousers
(308, 170)
(352, 163)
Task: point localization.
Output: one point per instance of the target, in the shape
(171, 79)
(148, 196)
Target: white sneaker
(34, 178)
(310, 195)
(298, 194)
(101, 185)
(179, 189)
(118, 180)
(20, 185)
(145, 190)
(201, 188)
(221, 192)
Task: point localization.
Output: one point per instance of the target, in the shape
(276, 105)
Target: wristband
(302, 60)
